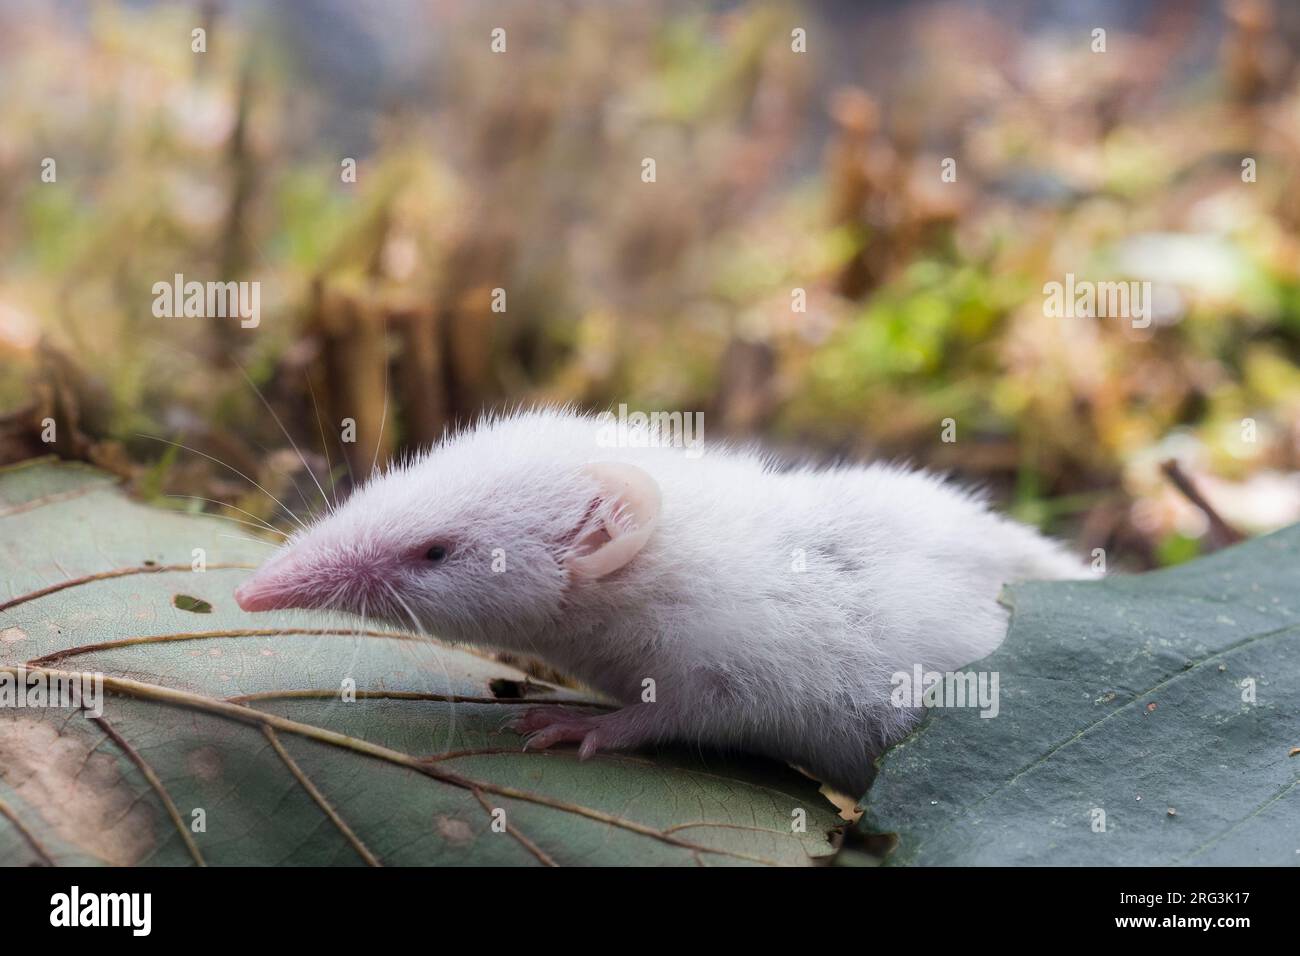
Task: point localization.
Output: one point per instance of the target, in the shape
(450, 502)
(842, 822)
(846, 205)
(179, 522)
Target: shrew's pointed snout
(273, 586)
(250, 597)
(316, 577)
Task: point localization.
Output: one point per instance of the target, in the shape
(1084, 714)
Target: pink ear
(630, 503)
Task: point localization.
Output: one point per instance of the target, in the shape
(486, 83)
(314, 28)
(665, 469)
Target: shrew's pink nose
(251, 598)
(272, 587)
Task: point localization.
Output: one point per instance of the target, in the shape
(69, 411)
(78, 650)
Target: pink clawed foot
(546, 726)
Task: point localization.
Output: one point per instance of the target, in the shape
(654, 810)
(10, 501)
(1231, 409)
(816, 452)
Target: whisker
(352, 479)
(324, 444)
(240, 537)
(248, 523)
(357, 642)
(214, 501)
(296, 487)
(292, 443)
(218, 461)
(437, 653)
(187, 357)
(383, 416)
(268, 458)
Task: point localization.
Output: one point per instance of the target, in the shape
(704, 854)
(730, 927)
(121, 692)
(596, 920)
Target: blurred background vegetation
(776, 171)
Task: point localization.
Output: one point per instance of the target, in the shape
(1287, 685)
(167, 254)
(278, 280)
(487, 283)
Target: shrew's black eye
(437, 553)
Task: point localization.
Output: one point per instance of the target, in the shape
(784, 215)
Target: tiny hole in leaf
(187, 603)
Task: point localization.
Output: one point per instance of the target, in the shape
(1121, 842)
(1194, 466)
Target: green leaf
(238, 720)
(1140, 695)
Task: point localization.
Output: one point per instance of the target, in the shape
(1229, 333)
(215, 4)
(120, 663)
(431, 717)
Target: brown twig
(1222, 534)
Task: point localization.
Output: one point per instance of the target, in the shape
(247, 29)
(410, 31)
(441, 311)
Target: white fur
(901, 568)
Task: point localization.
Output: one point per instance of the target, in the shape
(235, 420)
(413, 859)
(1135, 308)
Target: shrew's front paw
(546, 726)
